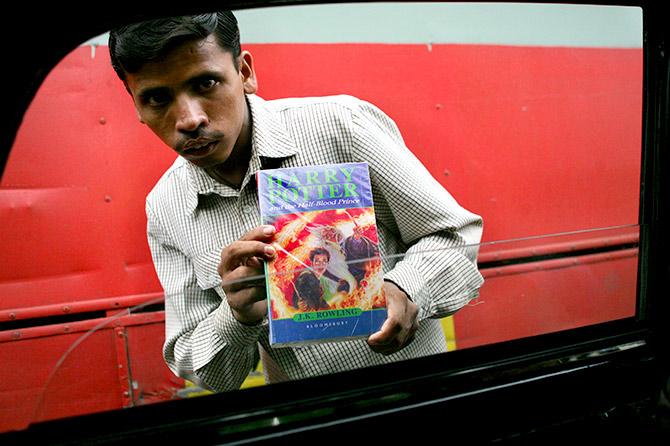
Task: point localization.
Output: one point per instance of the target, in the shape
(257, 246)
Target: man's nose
(190, 114)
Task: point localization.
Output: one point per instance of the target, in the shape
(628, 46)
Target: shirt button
(248, 209)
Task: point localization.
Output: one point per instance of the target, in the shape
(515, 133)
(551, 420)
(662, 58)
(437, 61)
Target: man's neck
(232, 176)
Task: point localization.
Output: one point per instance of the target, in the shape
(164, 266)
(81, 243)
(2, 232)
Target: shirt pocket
(205, 266)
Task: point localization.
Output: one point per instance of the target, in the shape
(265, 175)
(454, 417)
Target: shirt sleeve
(439, 270)
(204, 343)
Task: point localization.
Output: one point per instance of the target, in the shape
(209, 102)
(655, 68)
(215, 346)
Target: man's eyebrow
(151, 91)
(204, 75)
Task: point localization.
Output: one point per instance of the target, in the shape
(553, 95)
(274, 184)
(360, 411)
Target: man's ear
(247, 73)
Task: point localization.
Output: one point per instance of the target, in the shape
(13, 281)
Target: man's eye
(157, 100)
(206, 84)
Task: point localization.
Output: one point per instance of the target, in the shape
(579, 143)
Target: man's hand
(241, 261)
(398, 330)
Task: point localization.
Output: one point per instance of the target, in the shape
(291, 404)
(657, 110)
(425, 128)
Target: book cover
(325, 283)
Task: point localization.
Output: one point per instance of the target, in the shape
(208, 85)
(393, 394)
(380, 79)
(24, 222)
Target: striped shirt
(192, 217)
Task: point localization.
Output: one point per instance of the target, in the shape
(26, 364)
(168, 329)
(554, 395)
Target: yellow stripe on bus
(449, 332)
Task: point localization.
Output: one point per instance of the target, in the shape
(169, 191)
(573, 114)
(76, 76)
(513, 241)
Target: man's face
(319, 263)
(193, 99)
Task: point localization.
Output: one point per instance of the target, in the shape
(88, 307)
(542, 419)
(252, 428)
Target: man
(315, 287)
(359, 251)
(195, 89)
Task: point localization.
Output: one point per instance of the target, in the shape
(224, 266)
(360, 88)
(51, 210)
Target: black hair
(132, 46)
(318, 251)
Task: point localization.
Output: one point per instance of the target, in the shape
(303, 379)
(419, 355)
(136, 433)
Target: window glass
(530, 116)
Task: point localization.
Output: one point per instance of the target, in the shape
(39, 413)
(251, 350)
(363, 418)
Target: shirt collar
(270, 138)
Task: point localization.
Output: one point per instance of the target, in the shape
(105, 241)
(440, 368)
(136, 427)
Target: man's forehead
(188, 59)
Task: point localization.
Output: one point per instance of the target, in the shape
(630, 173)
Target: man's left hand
(398, 330)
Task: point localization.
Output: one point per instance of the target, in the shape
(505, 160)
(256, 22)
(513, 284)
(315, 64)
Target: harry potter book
(325, 283)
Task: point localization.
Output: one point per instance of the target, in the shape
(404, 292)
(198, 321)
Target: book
(325, 284)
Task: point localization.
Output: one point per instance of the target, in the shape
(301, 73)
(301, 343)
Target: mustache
(197, 138)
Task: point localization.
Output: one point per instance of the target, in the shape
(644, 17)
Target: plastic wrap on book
(325, 284)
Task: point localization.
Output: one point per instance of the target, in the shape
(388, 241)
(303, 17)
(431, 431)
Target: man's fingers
(245, 293)
(251, 311)
(261, 233)
(386, 333)
(253, 262)
(386, 346)
(246, 297)
(392, 337)
(253, 244)
(241, 271)
(239, 253)
(244, 277)
(388, 339)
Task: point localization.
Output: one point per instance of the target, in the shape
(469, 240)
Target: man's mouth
(198, 149)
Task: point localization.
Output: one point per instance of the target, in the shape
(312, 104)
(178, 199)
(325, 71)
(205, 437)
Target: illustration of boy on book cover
(326, 282)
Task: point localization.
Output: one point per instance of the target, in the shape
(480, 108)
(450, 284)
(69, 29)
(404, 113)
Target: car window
(528, 115)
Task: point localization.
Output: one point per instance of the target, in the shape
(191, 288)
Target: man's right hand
(241, 261)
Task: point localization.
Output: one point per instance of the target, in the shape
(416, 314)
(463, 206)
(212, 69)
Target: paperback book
(325, 283)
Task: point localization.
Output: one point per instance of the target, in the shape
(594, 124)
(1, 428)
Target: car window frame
(454, 385)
